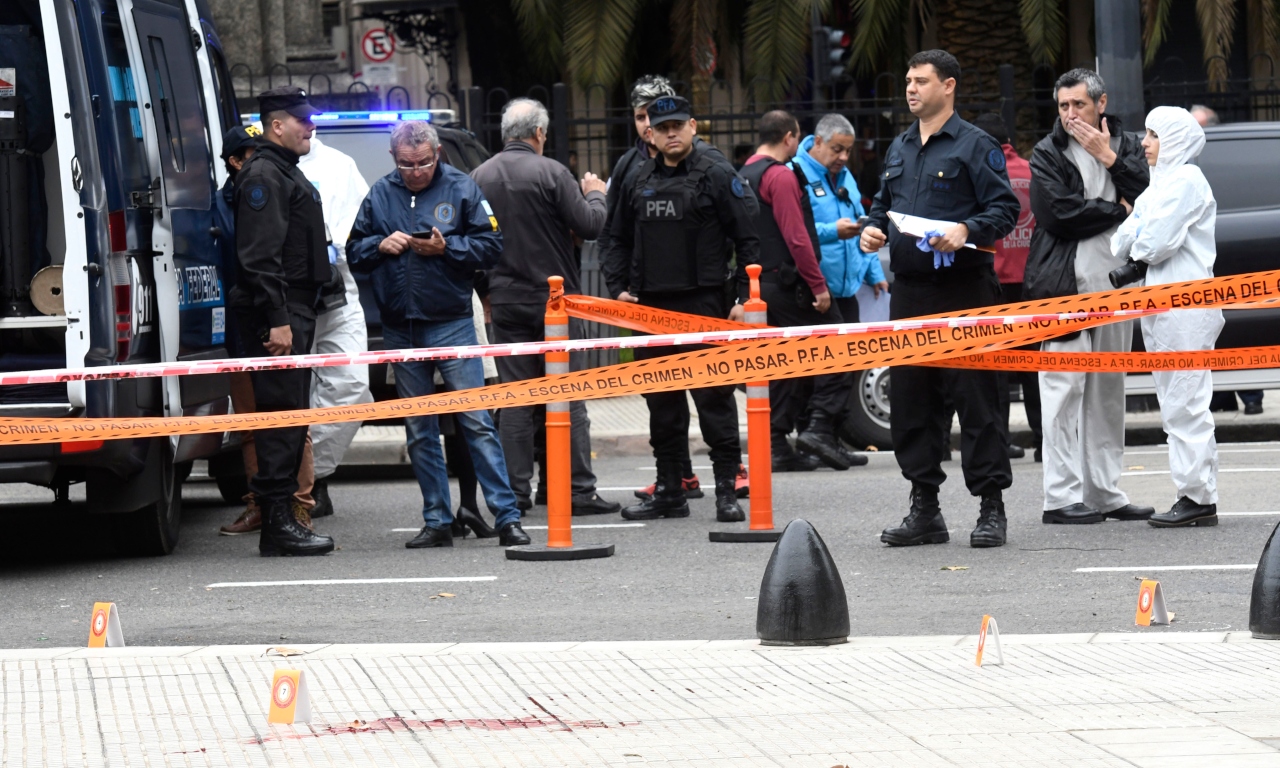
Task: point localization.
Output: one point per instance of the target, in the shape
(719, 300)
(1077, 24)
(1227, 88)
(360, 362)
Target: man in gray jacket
(541, 207)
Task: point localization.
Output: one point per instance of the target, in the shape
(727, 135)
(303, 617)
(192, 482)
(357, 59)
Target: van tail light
(83, 446)
(124, 321)
(118, 231)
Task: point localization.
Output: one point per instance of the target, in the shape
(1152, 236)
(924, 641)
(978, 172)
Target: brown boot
(302, 514)
(249, 521)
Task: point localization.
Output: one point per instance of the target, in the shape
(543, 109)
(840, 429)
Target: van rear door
(189, 287)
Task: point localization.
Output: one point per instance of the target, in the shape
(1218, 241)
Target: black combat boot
(819, 438)
(922, 525)
(785, 459)
(991, 528)
(727, 509)
(668, 499)
(320, 492)
(283, 534)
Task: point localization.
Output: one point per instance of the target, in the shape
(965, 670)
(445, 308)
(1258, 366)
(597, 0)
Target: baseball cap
(289, 98)
(669, 108)
(238, 138)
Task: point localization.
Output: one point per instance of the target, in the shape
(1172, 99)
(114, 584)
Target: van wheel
(866, 423)
(233, 488)
(153, 530)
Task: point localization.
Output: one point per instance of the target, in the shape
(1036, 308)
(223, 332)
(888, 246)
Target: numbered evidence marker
(104, 627)
(1151, 608)
(989, 628)
(290, 702)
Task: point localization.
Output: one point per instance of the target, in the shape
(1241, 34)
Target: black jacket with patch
(281, 240)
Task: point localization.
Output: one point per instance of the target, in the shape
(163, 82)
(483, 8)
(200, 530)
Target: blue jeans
(416, 380)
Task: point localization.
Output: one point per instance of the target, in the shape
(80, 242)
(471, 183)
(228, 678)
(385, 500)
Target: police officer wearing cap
(946, 169)
(671, 238)
(282, 247)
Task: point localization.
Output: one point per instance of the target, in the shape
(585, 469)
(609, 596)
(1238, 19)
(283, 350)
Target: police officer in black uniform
(944, 168)
(671, 237)
(282, 248)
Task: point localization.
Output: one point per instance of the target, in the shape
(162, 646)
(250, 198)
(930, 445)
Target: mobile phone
(422, 235)
(862, 221)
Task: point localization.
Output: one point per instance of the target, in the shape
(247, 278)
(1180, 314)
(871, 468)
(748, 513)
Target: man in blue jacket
(421, 234)
(823, 158)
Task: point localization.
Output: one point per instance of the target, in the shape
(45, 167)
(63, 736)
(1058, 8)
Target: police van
(111, 119)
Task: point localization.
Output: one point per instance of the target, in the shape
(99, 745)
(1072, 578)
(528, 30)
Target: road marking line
(1220, 471)
(322, 582)
(596, 525)
(1246, 514)
(1150, 568)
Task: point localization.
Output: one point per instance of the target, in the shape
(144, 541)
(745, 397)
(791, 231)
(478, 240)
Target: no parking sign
(378, 45)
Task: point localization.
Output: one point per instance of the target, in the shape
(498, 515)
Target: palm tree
(587, 40)
(1042, 24)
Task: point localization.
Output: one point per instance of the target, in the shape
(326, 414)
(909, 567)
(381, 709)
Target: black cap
(239, 138)
(669, 108)
(289, 98)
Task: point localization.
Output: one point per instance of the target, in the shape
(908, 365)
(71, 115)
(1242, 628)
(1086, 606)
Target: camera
(1130, 272)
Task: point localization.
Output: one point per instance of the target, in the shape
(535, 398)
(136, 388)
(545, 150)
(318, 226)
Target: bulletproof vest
(680, 243)
(774, 252)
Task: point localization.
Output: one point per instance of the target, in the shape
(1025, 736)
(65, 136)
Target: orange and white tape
(759, 360)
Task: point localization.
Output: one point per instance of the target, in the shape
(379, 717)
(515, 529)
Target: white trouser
(1184, 400)
(337, 331)
(1083, 423)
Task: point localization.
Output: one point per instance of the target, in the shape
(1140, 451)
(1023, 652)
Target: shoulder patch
(444, 213)
(256, 195)
(995, 159)
(736, 186)
(488, 209)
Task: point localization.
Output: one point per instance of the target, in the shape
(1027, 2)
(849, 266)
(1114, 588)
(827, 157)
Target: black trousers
(717, 409)
(279, 450)
(918, 397)
(829, 393)
(524, 430)
(1030, 380)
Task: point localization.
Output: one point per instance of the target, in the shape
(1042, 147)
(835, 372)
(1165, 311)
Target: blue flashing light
(370, 117)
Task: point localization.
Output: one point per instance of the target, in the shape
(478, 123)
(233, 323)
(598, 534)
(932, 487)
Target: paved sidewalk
(1154, 698)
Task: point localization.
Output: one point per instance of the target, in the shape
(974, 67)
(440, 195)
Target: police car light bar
(429, 115)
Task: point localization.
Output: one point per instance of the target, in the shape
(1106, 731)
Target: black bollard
(1264, 603)
(802, 600)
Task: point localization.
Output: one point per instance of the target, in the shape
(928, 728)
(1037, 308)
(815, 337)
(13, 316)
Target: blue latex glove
(940, 258)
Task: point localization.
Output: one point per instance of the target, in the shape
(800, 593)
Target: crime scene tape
(637, 317)
(759, 360)
(1234, 359)
(738, 334)
(1232, 290)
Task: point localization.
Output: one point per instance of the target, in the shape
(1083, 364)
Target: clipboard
(916, 226)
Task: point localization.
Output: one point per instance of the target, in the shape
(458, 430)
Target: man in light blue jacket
(837, 204)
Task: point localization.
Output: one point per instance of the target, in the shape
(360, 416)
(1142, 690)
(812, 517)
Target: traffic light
(839, 49)
(831, 51)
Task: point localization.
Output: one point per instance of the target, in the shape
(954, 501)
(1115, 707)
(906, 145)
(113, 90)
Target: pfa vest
(774, 252)
(680, 243)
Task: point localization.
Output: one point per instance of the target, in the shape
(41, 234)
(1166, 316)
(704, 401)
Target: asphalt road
(665, 582)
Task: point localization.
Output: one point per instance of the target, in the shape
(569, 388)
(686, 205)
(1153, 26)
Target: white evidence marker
(989, 629)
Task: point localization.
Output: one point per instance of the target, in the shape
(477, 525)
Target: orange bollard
(559, 463)
(759, 449)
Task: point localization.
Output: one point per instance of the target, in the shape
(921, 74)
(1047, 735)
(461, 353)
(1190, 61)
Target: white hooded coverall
(1172, 230)
(341, 330)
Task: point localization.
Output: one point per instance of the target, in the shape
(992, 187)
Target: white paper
(916, 226)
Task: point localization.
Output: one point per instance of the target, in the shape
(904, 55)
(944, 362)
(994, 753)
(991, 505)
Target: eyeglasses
(412, 168)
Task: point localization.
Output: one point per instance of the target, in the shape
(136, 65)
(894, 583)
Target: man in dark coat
(1084, 178)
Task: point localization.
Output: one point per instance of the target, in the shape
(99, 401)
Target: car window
(1242, 172)
(370, 148)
